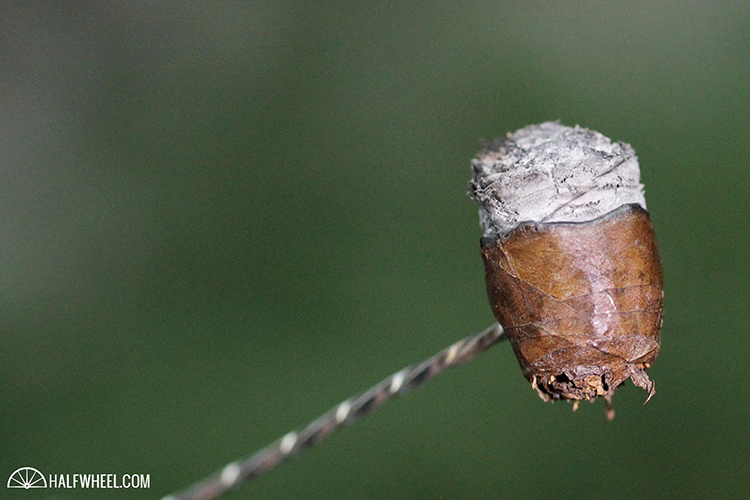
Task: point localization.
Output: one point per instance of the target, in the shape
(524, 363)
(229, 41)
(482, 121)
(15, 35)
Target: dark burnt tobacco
(575, 279)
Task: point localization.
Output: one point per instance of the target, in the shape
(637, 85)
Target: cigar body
(581, 302)
(571, 264)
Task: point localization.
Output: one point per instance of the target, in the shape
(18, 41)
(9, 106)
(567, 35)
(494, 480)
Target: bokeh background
(218, 220)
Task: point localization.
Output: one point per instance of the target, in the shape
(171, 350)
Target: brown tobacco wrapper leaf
(581, 302)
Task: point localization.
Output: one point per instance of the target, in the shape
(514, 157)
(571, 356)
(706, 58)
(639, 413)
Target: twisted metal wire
(345, 413)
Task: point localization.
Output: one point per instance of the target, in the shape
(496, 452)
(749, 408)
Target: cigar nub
(571, 264)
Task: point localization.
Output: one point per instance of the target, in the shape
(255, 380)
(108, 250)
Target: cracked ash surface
(552, 173)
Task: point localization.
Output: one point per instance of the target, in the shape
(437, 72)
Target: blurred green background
(218, 220)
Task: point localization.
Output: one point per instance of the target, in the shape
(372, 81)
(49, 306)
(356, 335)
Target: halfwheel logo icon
(26, 478)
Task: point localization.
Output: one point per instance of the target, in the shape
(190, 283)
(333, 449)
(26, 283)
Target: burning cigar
(572, 269)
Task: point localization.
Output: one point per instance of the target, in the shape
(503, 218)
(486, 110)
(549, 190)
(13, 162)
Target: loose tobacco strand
(345, 413)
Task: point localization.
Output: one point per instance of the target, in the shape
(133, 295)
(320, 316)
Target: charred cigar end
(581, 295)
